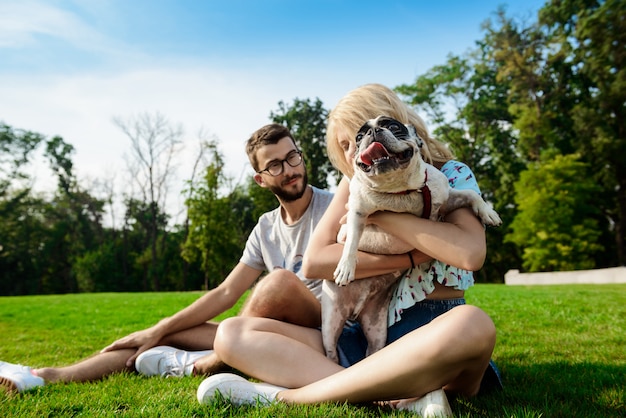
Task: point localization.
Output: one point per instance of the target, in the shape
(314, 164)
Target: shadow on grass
(557, 389)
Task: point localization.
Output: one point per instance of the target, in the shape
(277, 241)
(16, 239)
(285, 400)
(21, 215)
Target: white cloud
(66, 74)
(21, 22)
(228, 104)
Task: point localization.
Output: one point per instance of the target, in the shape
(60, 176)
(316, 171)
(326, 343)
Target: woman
(435, 340)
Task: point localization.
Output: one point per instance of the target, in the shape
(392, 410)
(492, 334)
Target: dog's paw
(488, 216)
(344, 273)
(494, 219)
(332, 355)
(342, 278)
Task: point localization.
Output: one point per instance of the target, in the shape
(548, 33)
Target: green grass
(561, 349)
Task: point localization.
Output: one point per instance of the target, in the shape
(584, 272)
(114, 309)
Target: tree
(566, 76)
(464, 106)
(42, 237)
(20, 213)
(555, 86)
(214, 233)
(557, 224)
(593, 34)
(16, 147)
(263, 200)
(154, 144)
(141, 220)
(22, 236)
(307, 122)
(200, 164)
(99, 270)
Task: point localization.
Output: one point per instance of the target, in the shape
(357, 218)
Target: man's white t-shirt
(273, 244)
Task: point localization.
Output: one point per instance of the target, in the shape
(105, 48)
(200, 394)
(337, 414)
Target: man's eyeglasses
(276, 168)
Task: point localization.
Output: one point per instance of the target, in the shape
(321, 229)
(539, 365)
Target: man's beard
(289, 195)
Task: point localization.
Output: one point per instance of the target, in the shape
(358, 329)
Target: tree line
(536, 108)
(59, 242)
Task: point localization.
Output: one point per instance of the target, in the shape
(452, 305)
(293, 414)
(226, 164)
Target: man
(276, 245)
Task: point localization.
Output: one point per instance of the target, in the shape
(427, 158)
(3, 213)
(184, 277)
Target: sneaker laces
(173, 367)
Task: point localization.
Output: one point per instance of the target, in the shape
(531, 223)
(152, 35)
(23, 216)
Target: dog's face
(386, 147)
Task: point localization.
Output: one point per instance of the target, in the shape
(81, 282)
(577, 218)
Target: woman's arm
(459, 240)
(323, 252)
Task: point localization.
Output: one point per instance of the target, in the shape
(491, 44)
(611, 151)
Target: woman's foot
(237, 389)
(433, 404)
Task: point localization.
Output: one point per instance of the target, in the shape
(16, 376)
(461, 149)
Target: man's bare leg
(104, 364)
(91, 368)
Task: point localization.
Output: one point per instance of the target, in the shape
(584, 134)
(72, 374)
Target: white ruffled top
(419, 282)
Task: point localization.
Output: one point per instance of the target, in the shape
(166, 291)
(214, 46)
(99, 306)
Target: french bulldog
(389, 174)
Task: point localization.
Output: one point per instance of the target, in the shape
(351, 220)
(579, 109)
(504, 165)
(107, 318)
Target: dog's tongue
(375, 151)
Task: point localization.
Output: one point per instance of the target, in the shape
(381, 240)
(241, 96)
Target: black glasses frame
(276, 168)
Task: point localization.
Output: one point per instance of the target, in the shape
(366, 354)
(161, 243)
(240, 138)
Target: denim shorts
(352, 344)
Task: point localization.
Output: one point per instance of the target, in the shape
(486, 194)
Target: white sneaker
(18, 378)
(168, 361)
(237, 389)
(431, 405)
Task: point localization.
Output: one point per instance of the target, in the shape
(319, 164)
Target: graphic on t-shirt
(295, 265)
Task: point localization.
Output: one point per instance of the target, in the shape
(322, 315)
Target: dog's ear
(413, 132)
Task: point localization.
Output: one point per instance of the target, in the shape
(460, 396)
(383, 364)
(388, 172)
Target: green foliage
(263, 200)
(465, 102)
(16, 147)
(22, 236)
(95, 270)
(440, 87)
(58, 244)
(214, 233)
(307, 122)
(595, 33)
(60, 155)
(557, 219)
(559, 348)
(553, 84)
(556, 83)
(40, 238)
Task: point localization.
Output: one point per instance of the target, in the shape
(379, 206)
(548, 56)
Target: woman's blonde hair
(368, 102)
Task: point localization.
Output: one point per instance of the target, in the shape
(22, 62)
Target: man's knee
(278, 283)
(282, 295)
(273, 291)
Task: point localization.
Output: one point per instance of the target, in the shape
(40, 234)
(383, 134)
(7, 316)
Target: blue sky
(218, 67)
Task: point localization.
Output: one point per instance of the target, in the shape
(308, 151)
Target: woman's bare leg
(452, 351)
(277, 352)
(281, 295)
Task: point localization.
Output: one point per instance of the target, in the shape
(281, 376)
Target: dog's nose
(377, 132)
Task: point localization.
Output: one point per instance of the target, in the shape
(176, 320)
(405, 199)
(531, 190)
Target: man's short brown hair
(267, 135)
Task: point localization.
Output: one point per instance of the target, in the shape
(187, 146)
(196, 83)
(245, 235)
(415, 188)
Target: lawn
(561, 350)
